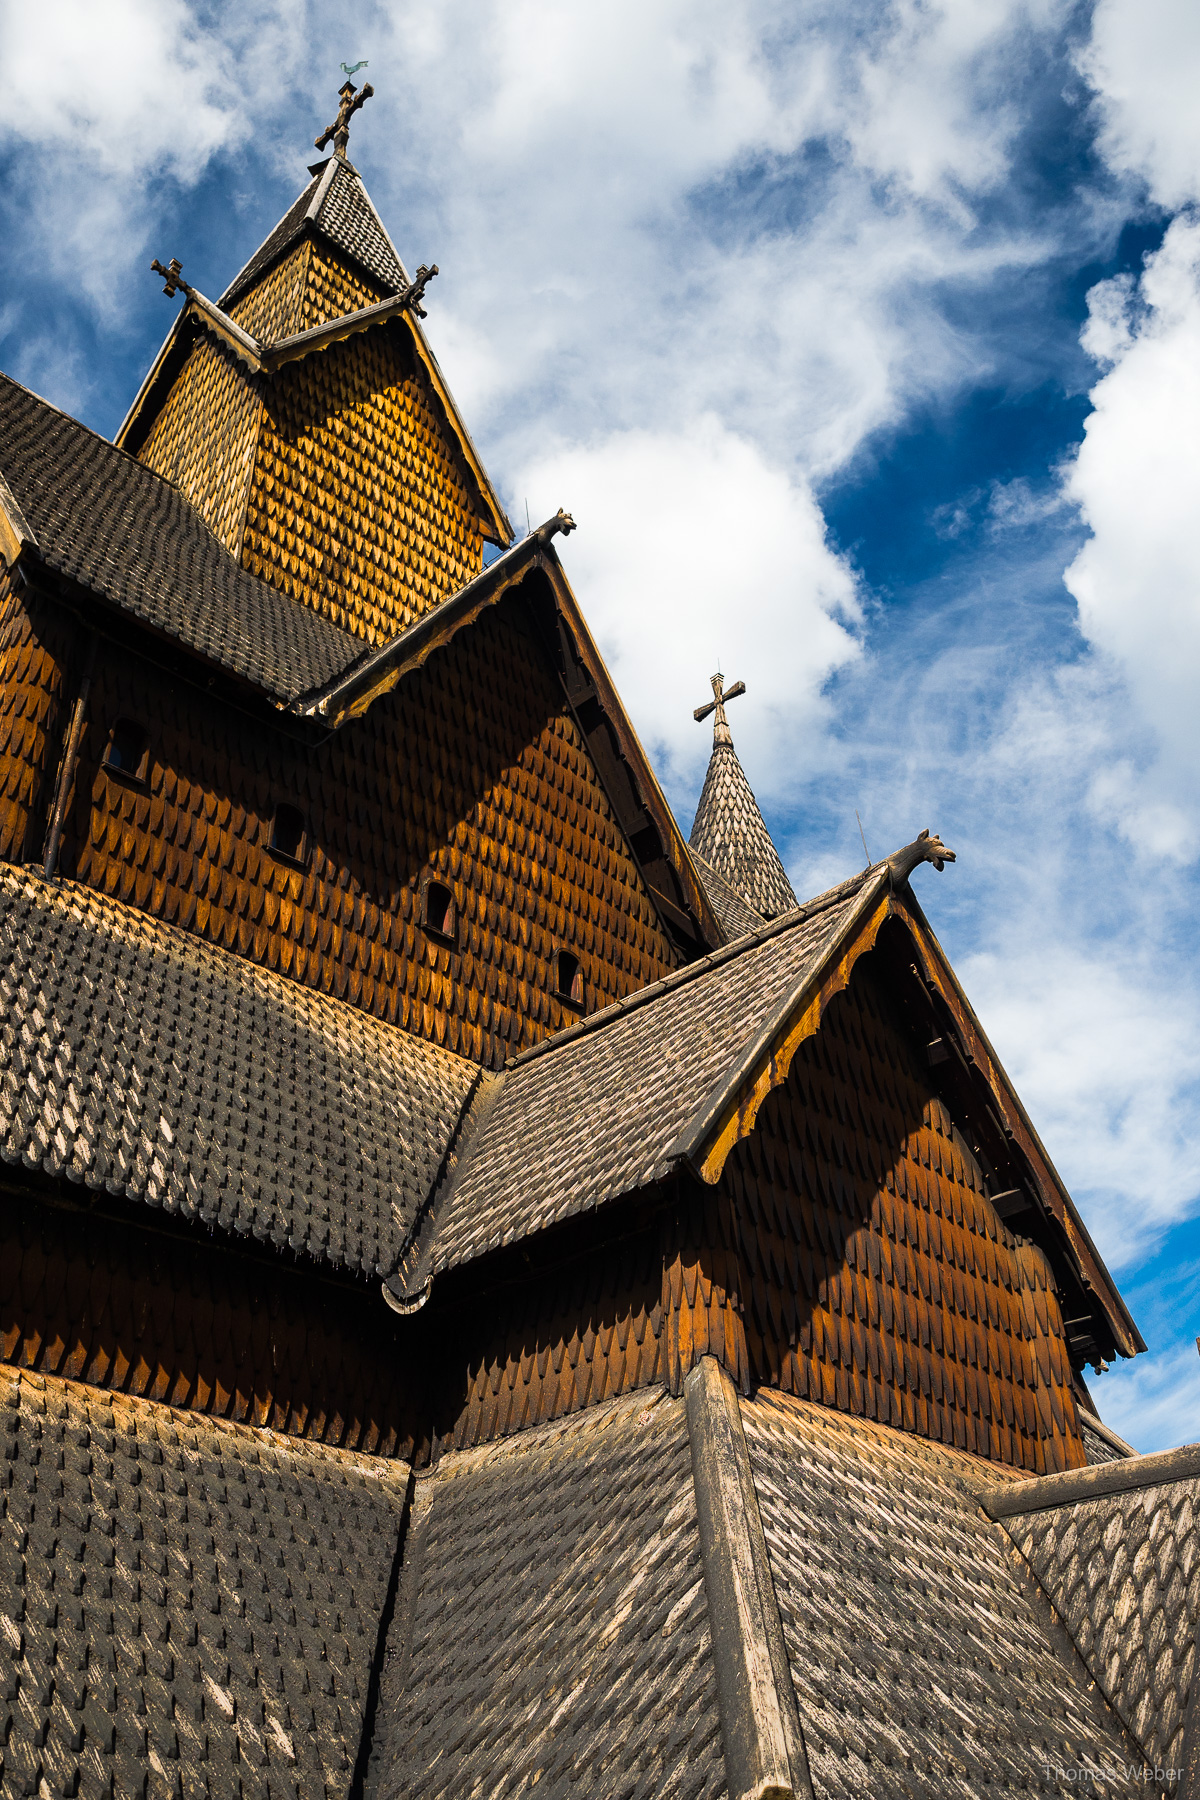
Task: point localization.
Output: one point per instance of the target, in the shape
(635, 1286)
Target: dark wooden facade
(846, 1251)
(475, 774)
(848, 1255)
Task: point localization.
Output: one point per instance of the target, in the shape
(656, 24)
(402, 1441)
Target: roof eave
(1054, 1190)
(487, 493)
(17, 537)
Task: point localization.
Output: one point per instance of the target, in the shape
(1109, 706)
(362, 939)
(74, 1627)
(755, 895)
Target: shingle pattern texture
(1123, 1572)
(203, 439)
(311, 285)
(876, 1275)
(135, 1060)
(1098, 1448)
(183, 1318)
(104, 521)
(733, 914)
(358, 505)
(730, 833)
(919, 1664)
(472, 772)
(31, 680)
(347, 218)
(596, 1116)
(188, 1607)
(552, 1621)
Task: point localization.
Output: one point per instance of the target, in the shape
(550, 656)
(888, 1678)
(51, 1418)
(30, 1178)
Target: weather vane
(339, 131)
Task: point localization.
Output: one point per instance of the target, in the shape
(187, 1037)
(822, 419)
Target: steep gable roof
(335, 205)
(140, 1062)
(606, 1106)
(672, 1078)
(100, 519)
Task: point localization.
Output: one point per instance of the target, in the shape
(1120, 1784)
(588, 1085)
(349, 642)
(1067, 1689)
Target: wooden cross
(717, 704)
(172, 276)
(339, 131)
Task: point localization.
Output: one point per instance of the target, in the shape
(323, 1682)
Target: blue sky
(863, 340)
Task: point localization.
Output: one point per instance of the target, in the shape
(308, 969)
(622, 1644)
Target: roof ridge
(678, 978)
(1096, 1481)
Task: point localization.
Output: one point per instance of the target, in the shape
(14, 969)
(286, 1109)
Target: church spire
(729, 832)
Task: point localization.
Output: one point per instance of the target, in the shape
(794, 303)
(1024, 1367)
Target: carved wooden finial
(721, 732)
(922, 849)
(414, 293)
(174, 280)
(562, 521)
(339, 131)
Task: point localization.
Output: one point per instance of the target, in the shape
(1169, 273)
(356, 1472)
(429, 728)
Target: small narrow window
(126, 752)
(568, 979)
(289, 834)
(437, 911)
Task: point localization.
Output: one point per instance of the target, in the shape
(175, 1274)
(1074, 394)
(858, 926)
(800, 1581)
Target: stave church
(495, 1296)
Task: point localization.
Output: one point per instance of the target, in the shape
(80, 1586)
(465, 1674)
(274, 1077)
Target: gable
(878, 1278)
(474, 773)
(358, 505)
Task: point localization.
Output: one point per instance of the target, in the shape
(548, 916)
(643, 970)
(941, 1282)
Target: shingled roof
(1114, 1547)
(581, 1604)
(101, 519)
(599, 1110)
(183, 1600)
(924, 1658)
(552, 1625)
(730, 834)
(138, 1061)
(736, 917)
(337, 206)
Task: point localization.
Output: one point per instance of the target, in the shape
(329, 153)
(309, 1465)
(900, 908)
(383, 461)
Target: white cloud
(1143, 59)
(693, 547)
(1153, 1401)
(1137, 580)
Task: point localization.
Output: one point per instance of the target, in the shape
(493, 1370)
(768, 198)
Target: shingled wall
(848, 1255)
(474, 770)
(338, 479)
(188, 1321)
(35, 652)
(878, 1278)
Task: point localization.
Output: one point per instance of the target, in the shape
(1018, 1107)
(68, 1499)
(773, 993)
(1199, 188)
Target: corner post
(760, 1726)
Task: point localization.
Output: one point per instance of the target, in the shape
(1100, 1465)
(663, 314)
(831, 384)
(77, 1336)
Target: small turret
(729, 833)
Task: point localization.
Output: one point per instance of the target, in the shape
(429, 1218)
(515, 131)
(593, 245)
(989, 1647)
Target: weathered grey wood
(764, 1748)
(1008, 1498)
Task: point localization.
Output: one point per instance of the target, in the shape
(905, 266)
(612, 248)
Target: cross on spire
(721, 733)
(339, 131)
(172, 276)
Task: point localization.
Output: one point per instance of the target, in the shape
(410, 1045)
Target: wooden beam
(760, 1726)
(16, 533)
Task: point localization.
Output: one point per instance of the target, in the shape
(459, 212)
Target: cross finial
(721, 694)
(339, 131)
(171, 276)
